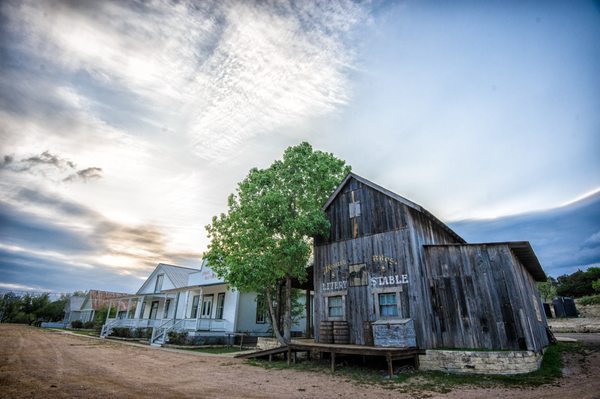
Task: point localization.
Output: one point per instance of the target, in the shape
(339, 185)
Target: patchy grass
(90, 333)
(418, 382)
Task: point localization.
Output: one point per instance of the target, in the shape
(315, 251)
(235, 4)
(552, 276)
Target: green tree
(265, 237)
(578, 284)
(547, 289)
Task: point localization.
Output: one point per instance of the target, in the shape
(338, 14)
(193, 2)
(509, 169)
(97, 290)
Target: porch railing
(160, 327)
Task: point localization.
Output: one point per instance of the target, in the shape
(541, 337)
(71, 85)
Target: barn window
(335, 306)
(388, 306)
(354, 209)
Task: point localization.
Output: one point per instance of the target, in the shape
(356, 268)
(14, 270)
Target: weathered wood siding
(458, 296)
(482, 297)
(384, 243)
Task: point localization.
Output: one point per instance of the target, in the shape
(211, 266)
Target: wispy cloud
(229, 70)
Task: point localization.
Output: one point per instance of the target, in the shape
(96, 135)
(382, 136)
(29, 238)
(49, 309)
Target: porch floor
(309, 345)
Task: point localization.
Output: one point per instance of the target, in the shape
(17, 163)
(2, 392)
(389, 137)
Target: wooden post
(289, 356)
(390, 364)
(307, 305)
(332, 361)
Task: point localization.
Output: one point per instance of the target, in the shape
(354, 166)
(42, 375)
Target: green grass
(416, 382)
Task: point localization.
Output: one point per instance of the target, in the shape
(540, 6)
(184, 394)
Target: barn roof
(392, 195)
(522, 250)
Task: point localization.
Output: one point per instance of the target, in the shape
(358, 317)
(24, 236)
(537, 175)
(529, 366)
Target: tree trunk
(274, 318)
(287, 321)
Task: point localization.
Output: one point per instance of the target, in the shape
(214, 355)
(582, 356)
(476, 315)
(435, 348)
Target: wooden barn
(391, 274)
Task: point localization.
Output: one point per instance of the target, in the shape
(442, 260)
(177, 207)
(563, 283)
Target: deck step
(266, 352)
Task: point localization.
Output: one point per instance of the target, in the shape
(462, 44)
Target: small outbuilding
(397, 276)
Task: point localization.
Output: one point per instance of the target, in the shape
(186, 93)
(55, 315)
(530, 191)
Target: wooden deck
(307, 345)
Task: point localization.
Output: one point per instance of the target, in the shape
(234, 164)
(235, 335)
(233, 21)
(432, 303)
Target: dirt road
(38, 363)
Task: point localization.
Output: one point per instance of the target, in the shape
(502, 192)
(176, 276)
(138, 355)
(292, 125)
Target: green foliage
(122, 332)
(30, 309)
(144, 333)
(589, 300)
(178, 338)
(547, 290)
(76, 324)
(265, 237)
(596, 286)
(578, 284)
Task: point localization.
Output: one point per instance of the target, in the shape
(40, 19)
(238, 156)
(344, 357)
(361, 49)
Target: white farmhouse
(176, 298)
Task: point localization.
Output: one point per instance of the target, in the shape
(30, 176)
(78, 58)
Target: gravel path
(36, 363)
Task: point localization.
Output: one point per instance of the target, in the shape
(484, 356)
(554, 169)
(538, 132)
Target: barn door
(357, 304)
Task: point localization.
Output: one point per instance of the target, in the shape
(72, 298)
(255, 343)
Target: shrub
(589, 300)
(76, 324)
(121, 332)
(88, 325)
(142, 333)
(178, 338)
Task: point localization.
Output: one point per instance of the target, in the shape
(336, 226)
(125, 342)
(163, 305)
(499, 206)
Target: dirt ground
(37, 363)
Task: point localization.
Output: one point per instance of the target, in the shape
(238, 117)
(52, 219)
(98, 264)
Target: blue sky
(125, 125)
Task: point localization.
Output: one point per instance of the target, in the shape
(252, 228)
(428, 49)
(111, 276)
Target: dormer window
(159, 283)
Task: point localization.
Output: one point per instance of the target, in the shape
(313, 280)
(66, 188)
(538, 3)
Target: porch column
(128, 308)
(109, 307)
(138, 308)
(307, 306)
(185, 315)
(199, 310)
(176, 306)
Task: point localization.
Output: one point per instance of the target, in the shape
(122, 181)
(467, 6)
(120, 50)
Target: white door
(207, 302)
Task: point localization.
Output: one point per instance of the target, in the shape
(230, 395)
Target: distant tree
(10, 305)
(578, 284)
(30, 309)
(547, 289)
(265, 237)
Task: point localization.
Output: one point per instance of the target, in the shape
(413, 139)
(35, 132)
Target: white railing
(107, 328)
(160, 327)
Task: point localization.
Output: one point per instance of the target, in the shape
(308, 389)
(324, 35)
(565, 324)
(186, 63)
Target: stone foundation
(474, 362)
(265, 343)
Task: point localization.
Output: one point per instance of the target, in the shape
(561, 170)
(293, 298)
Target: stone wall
(473, 362)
